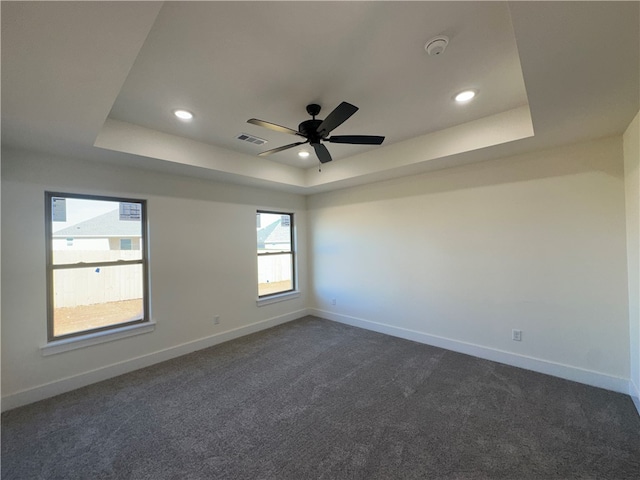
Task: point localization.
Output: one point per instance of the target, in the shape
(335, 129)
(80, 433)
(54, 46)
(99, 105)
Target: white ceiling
(99, 80)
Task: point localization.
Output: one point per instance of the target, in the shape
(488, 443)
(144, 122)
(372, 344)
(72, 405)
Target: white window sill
(277, 298)
(82, 341)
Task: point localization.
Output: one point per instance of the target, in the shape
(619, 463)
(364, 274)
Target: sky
(78, 210)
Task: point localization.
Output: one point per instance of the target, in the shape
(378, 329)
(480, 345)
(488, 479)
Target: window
(125, 244)
(276, 265)
(97, 281)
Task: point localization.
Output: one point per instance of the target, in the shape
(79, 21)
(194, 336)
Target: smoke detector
(437, 45)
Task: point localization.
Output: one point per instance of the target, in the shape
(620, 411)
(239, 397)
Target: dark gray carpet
(314, 399)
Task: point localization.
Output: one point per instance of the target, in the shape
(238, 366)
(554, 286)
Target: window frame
(291, 252)
(51, 267)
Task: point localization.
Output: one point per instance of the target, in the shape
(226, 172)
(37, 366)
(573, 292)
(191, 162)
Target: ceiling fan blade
(321, 151)
(356, 139)
(279, 149)
(341, 113)
(273, 126)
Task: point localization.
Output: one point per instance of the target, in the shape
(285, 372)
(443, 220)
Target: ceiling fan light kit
(316, 131)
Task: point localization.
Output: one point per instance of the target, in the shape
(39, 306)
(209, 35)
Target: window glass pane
(87, 298)
(274, 232)
(88, 230)
(275, 274)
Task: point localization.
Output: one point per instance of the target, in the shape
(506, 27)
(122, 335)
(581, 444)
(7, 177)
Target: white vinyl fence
(88, 286)
(274, 268)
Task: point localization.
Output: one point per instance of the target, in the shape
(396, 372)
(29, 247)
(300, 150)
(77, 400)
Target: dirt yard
(85, 317)
(273, 287)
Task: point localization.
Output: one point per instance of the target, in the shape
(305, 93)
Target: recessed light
(183, 114)
(465, 96)
(303, 154)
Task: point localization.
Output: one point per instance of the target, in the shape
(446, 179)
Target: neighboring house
(274, 236)
(104, 232)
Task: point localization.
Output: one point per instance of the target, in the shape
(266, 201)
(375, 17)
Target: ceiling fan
(317, 131)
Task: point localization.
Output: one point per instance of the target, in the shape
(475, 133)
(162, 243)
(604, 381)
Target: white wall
(203, 262)
(456, 258)
(631, 140)
(460, 257)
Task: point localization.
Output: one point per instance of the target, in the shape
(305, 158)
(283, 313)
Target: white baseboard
(567, 372)
(634, 392)
(57, 387)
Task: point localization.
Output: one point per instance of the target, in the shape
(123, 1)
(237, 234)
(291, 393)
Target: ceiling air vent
(245, 137)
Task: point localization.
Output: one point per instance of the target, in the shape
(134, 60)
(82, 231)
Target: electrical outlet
(516, 335)
(333, 301)
(216, 319)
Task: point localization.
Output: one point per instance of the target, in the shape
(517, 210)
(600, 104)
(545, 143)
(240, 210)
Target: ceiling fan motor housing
(309, 128)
